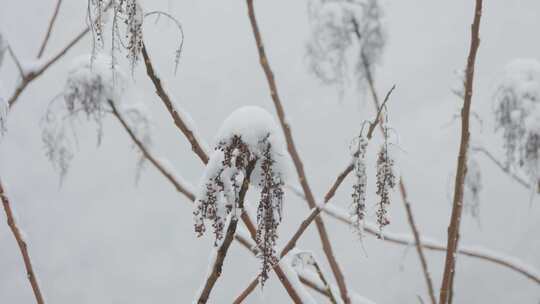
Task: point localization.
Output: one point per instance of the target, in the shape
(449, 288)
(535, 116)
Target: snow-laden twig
(248, 137)
(23, 247)
(161, 165)
(291, 147)
(487, 255)
(455, 219)
(44, 65)
(301, 260)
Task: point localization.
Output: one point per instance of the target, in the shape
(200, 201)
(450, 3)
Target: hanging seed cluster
(128, 12)
(221, 194)
(358, 206)
(386, 181)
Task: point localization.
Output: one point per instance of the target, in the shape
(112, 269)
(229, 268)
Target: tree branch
(327, 247)
(148, 155)
(181, 122)
(49, 29)
(427, 243)
(22, 246)
(461, 171)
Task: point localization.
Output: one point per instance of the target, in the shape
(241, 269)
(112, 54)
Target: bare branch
(148, 155)
(327, 247)
(22, 246)
(16, 60)
(461, 171)
(180, 122)
(49, 29)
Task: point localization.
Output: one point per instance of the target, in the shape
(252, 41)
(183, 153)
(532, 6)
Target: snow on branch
(432, 244)
(248, 135)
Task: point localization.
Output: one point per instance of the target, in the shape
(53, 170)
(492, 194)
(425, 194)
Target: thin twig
(148, 155)
(503, 168)
(224, 247)
(461, 171)
(22, 246)
(327, 247)
(324, 281)
(49, 29)
(16, 60)
(177, 118)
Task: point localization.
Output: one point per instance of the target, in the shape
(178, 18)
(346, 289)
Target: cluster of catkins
(386, 182)
(517, 115)
(233, 161)
(130, 13)
(338, 27)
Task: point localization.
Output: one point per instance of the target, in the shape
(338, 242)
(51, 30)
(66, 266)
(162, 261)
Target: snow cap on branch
(248, 144)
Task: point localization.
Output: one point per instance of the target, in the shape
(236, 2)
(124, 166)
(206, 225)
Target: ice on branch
(3, 100)
(517, 116)
(248, 137)
(358, 206)
(341, 30)
(89, 90)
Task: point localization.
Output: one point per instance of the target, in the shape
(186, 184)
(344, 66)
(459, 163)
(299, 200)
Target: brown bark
(461, 171)
(22, 246)
(323, 234)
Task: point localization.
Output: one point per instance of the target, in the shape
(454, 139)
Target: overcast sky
(102, 238)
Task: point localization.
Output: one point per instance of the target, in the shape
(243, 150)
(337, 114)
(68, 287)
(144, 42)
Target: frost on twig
(3, 101)
(344, 34)
(517, 116)
(88, 89)
(248, 134)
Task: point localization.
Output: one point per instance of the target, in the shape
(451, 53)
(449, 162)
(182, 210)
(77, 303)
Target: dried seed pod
(358, 206)
(386, 181)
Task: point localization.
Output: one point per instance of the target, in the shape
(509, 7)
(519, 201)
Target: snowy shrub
(517, 115)
(358, 206)
(248, 144)
(336, 26)
(89, 90)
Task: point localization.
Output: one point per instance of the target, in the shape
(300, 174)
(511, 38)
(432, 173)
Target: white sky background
(102, 239)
